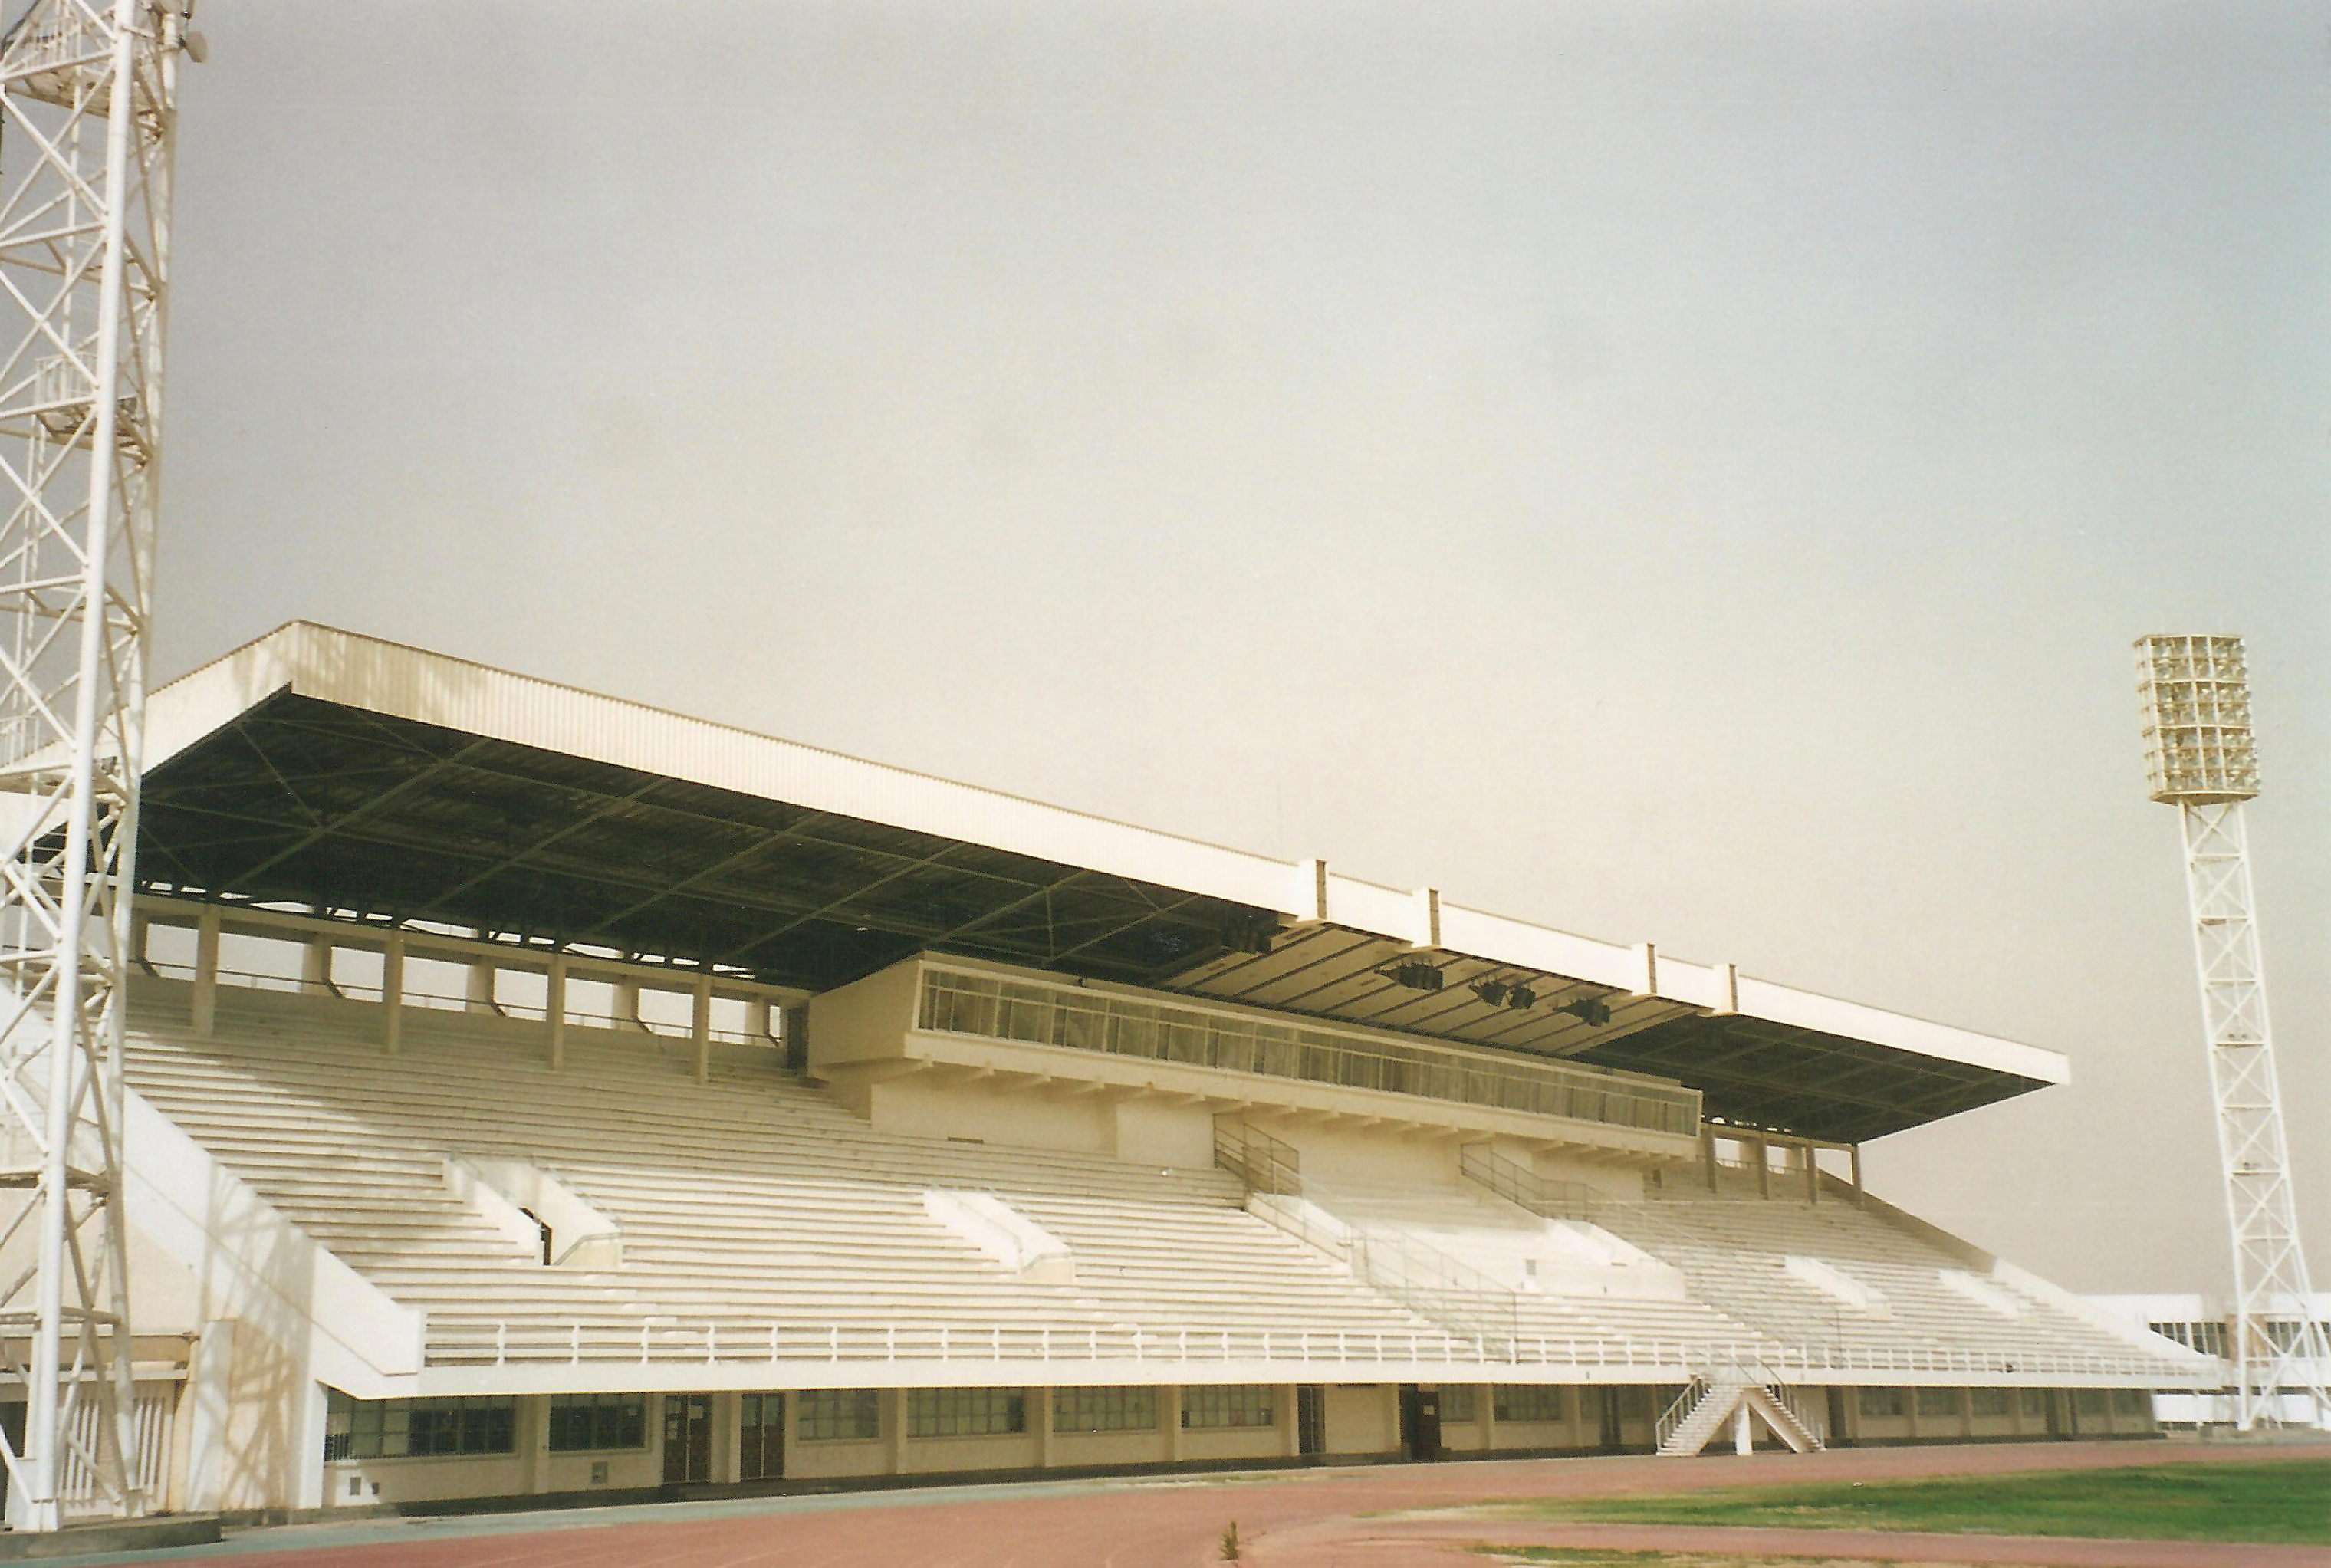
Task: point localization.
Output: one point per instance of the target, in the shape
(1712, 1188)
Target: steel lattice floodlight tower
(2201, 758)
(88, 93)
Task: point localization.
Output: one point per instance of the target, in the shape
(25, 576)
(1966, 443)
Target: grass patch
(2274, 1501)
(1596, 1557)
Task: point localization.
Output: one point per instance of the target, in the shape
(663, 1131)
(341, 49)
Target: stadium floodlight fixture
(1418, 975)
(2200, 755)
(1591, 1011)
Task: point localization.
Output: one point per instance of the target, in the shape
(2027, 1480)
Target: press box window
(1105, 1409)
(837, 1415)
(587, 1422)
(1528, 1403)
(965, 1412)
(399, 1428)
(1228, 1405)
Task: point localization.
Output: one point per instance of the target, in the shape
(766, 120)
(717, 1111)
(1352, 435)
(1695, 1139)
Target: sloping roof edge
(348, 668)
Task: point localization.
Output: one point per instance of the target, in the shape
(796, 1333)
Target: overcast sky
(1683, 471)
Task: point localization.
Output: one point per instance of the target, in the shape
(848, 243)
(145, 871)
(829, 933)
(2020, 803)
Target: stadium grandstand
(534, 1093)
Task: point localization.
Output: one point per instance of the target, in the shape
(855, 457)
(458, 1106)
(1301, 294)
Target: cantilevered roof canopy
(318, 767)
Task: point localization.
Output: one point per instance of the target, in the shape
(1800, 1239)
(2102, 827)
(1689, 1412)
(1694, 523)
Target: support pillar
(554, 1012)
(894, 1431)
(1744, 1431)
(1040, 1413)
(700, 1029)
(627, 1004)
(764, 1018)
(1707, 1153)
(140, 925)
(1169, 1416)
(316, 965)
(480, 996)
(1764, 1149)
(206, 960)
(1812, 1173)
(1856, 1152)
(1485, 1396)
(793, 1035)
(392, 995)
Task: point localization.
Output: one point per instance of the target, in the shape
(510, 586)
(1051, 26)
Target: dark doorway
(1837, 1430)
(761, 1437)
(1420, 1421)
(1612, 1437)
(687, 1437)
(1310, 1419)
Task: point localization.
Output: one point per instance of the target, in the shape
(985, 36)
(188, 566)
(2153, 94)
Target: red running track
(1302, 1520)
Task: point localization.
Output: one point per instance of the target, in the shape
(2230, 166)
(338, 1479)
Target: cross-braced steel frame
(2270, 1285)
(87, 108)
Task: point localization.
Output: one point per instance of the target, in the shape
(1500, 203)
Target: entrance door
(1837, 1428)
(1613, 1438)
(1310, 1419)
(1420, 1421)
(761, 1437)
(687, 1437)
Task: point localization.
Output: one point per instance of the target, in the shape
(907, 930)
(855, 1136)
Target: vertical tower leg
(86, 108)
(2270, 1283)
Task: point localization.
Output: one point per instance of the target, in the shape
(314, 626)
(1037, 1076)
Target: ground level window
(1228, 1405)
(2035, 1401)
(760, 1437)
(1104, 1410)
(2131, 1401)
(837, 1415)
(1938, 1403)
(965, 1412)
(587, 1422)
(1535, 1403)
(2089, 1401)
(1992, 1401)
(396, 1428)
(1459, 1404)
(1880, 1403)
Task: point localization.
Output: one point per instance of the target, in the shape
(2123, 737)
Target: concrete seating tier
(747, 1205)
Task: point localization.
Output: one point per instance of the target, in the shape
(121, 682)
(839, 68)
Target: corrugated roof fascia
(367, 672)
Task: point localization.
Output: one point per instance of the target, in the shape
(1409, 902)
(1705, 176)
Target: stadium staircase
(1707, 1404)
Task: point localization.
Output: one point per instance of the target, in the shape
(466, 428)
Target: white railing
(1037, 1013)
(450, 1001)
(735, 1342)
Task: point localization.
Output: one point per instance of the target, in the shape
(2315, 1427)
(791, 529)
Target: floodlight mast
(87, 97)
(2201, 756)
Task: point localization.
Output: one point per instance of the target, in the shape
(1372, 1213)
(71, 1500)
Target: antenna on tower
(2201, 756)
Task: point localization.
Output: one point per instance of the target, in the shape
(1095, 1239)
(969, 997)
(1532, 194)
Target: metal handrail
(744, 1340)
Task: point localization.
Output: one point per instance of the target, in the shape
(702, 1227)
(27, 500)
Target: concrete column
(894, 1431)
(307, 1445)
(1812, 1173)
(793, 1034)
(789, 1415)
(206, 961)
(1486, 1396)
(1707, 1153)
(1764, 1167)
(1744, 1430)
(1856, 1152)
(1169, 1417)
(1283, 1414)
(392, 995)
(627, 1004)
(764, 1018)
(481, 984)
(701, 1028)
(316, 964)
(209, 1459)
(533, 1440)
(554, 1007)
(1039, 1421)
(139, 924)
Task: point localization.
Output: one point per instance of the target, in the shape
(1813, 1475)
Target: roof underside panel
(320, 768)
(309, 801)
